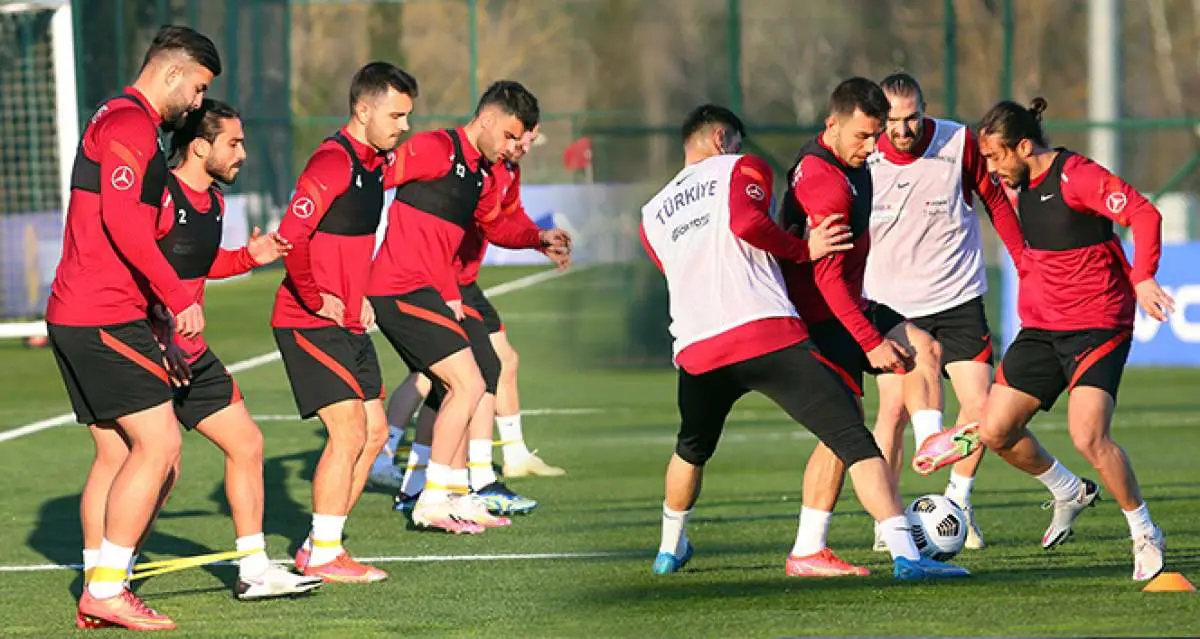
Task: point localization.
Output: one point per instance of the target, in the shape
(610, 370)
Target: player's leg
(418, 455)
(814, 396)
(519, 461)
(889, 431)
(971, 381)
(111, 450)
(376, 442)
(824, 474)
(704, 403)
(425, 333)
(401, 404)
(215, 409)
(1098, 358)
(1031, 377)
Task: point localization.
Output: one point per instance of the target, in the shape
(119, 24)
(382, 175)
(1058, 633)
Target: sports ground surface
(580, 564)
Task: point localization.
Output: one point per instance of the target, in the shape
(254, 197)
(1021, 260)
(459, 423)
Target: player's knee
(249, 450)
(890, 418)
(469, 388)
(1090, 442)
(851, 444)
(509, 360)
(348, 437)
(997, 437)
(927, 349)
(695, 449)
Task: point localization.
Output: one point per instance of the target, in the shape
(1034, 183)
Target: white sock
(387, 456)
(926, 423)
(899, 540)
(959, 489)
(414, 475)
(91, 558)
(255, 564)
(460, 481)
(1063, 484)
(479, 452)
(437, 485)
(810, 536)
(674, 538)
(111, 568)
(326, 538)
(513, 440)
(1139, 521)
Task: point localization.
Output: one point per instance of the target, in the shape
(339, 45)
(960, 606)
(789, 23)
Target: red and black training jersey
(189, 234)
(1073, 272)
(831, 287)
(110, 266)
(443, 190)
(331, 223)
(512, 228)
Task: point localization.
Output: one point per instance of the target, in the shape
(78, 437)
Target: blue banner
(1175, 342)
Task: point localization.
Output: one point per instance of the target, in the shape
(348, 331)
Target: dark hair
(205, 122)
(707, 115)
(859, 94)
(514, 99)
(903, 85)
(1013, 122)
(374, 79)
(177, 39)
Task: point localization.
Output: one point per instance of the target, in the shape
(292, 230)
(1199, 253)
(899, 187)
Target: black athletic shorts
(474, 298)
(1044, 363)
(485, 358)
(210, 390)
(840, 351)
(110, 371)
(791, 377)
(420, 327)
(962, 332)
(328, 365)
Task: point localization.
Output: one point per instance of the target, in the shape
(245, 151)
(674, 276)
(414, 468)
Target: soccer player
(852, 335)
(518, 460)
(321, 312)
(1076, 304)
(926, 262)
(735, 331)
(209, 147)
(97, 316)
(444, 189)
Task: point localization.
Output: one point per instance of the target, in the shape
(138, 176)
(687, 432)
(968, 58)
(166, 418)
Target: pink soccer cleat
(946, 447)
(822, 564)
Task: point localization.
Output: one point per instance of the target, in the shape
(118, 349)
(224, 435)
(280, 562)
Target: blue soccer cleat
(666, 563)
(926, 568)
(499, 500)
(404, 504)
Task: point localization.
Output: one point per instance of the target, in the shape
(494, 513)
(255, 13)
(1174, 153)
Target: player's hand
(189, 322)
(162, 324)
(175, 361)
(367, 316)
(265, 249)
(333, 309)
(890, 356)
(457, 307)
(560, 257)
(555, 239)
(830, 236)
(1154, 300)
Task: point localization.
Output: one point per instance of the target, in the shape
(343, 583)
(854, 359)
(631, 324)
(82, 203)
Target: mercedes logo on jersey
(303, 208)
(122, 178)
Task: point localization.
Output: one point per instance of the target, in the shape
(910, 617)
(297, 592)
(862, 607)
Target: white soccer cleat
(1066, 511)
(531, 466)
(275, 582)
(389, 476)
(974, 537)
(1148, 553)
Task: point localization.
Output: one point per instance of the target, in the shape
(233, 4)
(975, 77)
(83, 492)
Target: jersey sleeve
(512, 228)
(326, 177)
(994, 199)
(822, 191)
(1087, 186)
(229, 263)
(126, 142)
(424, 156)
(750, 211)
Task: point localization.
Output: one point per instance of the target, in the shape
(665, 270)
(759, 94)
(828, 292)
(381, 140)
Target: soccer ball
(939, 527)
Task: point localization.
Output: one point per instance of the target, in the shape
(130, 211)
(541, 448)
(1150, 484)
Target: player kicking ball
(927, 262)
(1076, 303)
(735, 331)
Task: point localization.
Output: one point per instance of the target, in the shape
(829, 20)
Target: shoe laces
(137, 604)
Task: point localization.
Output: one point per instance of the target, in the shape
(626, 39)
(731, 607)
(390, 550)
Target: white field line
(381, 560)
(267, 358)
